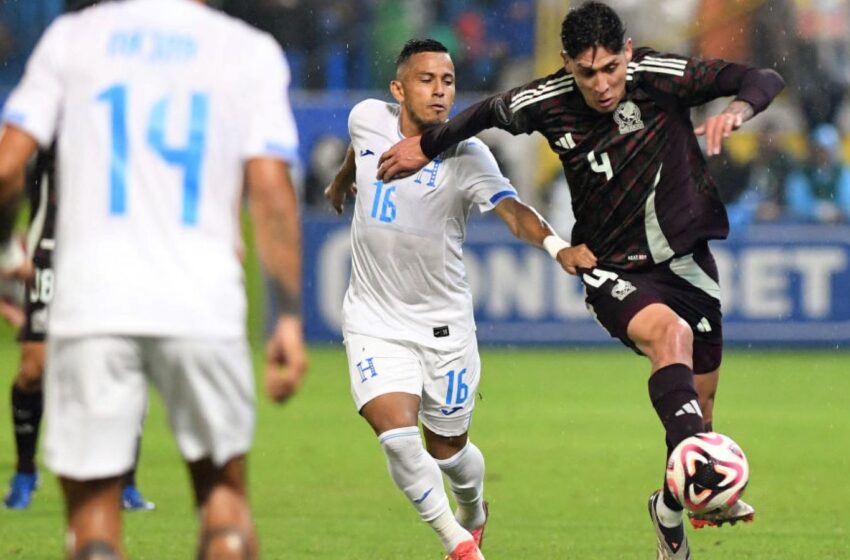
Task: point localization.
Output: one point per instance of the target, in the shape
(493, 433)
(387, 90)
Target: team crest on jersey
(622, 289)
(627, 117)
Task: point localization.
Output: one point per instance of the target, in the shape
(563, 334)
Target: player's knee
(31, 372)
(29, 377)
(97, 550)
(225, 543)
(675, 337)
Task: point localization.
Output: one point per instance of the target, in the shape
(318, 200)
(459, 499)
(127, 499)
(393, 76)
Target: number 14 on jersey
(189, 158)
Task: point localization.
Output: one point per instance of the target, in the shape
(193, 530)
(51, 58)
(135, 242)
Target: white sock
(667, 517)
(417, 475)
(465, 471)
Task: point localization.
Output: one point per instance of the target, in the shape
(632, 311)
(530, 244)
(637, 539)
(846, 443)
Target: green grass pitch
(573, 450)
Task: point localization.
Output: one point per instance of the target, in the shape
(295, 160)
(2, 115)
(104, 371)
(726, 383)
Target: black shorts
(687, 285)
(38, 294)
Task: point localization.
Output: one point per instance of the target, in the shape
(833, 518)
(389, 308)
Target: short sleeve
(35, 104)
(479, 175)
(271, 131)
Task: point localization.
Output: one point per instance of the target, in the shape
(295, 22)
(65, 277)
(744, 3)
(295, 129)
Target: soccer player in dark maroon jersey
(619, 119)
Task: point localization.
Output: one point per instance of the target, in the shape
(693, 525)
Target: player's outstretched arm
(528, 225)
(412, 154)
(277, 230)
(755, 89)
(343, 184)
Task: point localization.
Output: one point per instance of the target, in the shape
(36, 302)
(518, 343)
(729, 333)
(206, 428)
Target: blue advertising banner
(781, 285)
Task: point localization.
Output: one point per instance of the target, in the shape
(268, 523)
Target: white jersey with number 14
(155, 117)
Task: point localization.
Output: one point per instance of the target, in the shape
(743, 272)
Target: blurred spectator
(325, 159)
(823, 27)
(21, 25)
(820, 190)
(754, 191)
(295, 25)
(723, 29)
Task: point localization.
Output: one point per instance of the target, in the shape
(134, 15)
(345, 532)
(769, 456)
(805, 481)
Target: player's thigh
(451, 384)
(95, 394)
(379, 367)
(693, 292)
(615, 298)
(208, 390)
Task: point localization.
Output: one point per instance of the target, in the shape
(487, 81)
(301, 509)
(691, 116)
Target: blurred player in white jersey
(27, 396)
(407, 317)
(162, 109)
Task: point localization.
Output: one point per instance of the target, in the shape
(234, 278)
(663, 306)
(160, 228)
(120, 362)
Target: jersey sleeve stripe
(669, 61)
(543, 88)
(286, 153)
(660, 70)
(500, 195)
(17, 119)
(533, 100)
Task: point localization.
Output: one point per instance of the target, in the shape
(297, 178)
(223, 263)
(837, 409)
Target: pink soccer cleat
(466, 550)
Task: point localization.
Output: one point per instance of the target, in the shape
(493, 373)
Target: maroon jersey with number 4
(640, 190)
(639, 185)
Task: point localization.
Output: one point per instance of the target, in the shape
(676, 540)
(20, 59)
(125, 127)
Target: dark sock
(709, 427)
(26, 418)
(674, 397)
(130, 477)
(669, 500)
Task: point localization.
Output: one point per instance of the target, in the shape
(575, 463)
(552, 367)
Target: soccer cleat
(21, 489)
(467, 550)
(478, 534)
(739, 511)
(132, 500)
(672, 543)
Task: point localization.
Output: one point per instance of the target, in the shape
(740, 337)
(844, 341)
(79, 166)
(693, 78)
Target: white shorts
(96, 390)
(446, 381)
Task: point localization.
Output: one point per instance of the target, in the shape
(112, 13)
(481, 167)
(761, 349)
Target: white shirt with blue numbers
(408, 280)
(157, 106)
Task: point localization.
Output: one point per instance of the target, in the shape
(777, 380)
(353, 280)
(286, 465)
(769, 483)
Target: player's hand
(717, 128)
(12, 313)
(403, 159)
(337, 194)
(286, 359)
(572, 258)
(14, 264)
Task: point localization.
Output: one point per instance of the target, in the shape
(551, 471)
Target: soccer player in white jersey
(162, 109)
(407, 317)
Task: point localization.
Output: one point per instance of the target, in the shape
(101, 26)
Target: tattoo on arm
(742, 108)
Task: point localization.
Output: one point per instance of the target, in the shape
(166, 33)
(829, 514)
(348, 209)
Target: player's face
(425, 89)
(601, 76)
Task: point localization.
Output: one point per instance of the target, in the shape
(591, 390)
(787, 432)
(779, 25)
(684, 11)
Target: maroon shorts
(687, 285)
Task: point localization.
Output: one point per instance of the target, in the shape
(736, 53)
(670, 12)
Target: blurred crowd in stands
(790, 165)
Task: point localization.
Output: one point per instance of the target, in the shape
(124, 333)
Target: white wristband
(553, 245)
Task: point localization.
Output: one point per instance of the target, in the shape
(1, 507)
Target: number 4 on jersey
(189, 157)
(603, 165)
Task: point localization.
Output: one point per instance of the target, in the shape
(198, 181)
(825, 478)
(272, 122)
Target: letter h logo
(370, 367)
(432, 172)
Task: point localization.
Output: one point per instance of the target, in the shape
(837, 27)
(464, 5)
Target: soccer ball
(707, 472)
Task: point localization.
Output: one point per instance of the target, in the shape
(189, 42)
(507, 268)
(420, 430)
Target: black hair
(415, 46)
(593, 24)
(77, 5)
